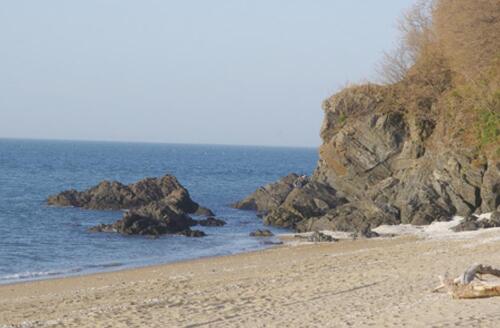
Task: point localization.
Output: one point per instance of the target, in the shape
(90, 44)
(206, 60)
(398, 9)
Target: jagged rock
(492, 222)
(152, 219)
(311, 199)
(192, 233)
(490, 188)
(384, 160)
(356, 217)
(495, 217)
(365, 231)
(261, 233)
(473, 222)
(203, 211)
(155, 206)
(103, 228)
(115, 195)
(468, 224)
(383, 155)
(319, 237)
(270, 196)
(211, 222)
(282, 217)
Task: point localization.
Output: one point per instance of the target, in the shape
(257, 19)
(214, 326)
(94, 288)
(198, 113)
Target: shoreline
(381, 282)
(434, 230)
(127, 268)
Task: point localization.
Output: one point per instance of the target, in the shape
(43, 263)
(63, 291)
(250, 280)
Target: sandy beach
(360, 283)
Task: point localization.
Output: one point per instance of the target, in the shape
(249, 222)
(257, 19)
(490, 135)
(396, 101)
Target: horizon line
(153, 142)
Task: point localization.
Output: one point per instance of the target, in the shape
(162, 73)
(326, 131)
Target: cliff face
(398, 162)
(384, 160)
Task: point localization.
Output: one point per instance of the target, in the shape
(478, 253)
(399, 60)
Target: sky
(245, 72)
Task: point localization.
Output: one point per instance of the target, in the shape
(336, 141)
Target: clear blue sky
(219, 71)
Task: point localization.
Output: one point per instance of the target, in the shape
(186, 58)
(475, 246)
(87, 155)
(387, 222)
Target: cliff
(416, 151)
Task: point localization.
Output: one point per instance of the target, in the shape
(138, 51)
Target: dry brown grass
(469, 32)
(453, 47)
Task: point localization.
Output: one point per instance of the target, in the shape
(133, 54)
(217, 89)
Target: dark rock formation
(470, 223)
(155, 206)
(291, 200)
(272, 242)
(495, 217)
(203, 211)
(211, 222)
(385, 159)
(473, 222)
(261, 233)
(192, 233)
(490, 188)
(364, 231)
(270, 196)
(350, 217)
(319, 237)
(115, 195)
(152, 219)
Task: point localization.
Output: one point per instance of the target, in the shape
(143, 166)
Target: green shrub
(489, 128)
(342, 118)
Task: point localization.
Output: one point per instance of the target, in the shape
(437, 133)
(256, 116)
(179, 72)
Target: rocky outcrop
(384, 160)
(152, 219)
(211, 222)
(392, 165)
(356, 217)
(490, 187)
(115, 195)
(319, 237)
(473, 222)
(155, 206)
(291, 200)
(261, 233)
(270, 196)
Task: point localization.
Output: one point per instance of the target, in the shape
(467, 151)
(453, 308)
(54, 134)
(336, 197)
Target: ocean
(38, 241)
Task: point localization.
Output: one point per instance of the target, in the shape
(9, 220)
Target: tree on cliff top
(415, 29)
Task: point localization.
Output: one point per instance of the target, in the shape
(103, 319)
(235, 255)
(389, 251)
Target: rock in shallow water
(270, 196)
(192, 233)
(156, 206)
(115, 196)
(152, 219)
(261, 233)
(211, 222)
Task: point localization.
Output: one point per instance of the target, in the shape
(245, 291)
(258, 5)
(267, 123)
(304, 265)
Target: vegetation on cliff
(449, 61)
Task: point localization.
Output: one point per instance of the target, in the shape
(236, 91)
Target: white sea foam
(35, 275)
(31, 275)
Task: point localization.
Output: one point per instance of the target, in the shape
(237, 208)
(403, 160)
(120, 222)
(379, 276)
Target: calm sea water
(37, 241)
